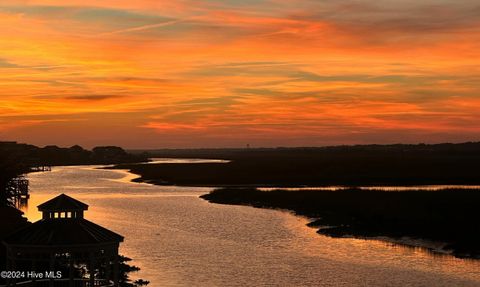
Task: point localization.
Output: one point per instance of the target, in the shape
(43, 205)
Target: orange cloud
(225, 72)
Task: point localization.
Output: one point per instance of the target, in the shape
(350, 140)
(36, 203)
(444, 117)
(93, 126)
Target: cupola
(62, 207)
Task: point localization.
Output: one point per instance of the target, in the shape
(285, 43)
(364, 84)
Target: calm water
(180, 240)
(384, 188)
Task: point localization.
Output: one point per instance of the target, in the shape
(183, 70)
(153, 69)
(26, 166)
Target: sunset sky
(213, 73)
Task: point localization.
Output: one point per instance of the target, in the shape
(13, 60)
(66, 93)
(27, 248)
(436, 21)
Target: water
(186, 160)
(383, 188)
(179, 239)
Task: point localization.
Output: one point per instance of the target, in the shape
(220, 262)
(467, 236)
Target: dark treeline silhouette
(340, 165)
(76, 155)
(449, 215)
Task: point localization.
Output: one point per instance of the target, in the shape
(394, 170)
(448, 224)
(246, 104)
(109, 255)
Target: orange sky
(226, 73)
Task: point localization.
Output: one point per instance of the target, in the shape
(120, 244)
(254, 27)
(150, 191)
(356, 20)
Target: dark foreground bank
(450, 216)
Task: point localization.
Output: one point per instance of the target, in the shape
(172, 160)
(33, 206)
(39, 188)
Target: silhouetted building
(63, 238)
(12, 219)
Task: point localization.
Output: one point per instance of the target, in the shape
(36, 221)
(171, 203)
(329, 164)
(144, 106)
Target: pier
(41, 168)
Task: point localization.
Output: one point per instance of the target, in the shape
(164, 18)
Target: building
(63, 240)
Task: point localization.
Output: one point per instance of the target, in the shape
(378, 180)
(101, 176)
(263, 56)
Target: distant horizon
(242, 147)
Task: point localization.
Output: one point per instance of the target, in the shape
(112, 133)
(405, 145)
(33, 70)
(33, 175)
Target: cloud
(6, 64)
(98, 18)
(387, 20)
(219, 72)
(93, 97)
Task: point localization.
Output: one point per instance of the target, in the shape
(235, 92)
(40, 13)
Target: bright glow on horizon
(148, 74)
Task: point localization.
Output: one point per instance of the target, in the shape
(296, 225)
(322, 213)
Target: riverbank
(371, 165)
(449, 216)
(263, 173)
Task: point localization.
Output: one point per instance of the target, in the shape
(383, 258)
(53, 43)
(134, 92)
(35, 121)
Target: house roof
(12, 220)
(63, 232)
(62, 202)
(10, 212)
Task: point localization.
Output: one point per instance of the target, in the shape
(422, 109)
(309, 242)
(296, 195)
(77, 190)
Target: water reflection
(180, 240)
(384, 188)
(185, 160)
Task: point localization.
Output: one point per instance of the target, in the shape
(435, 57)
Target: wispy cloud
(268, 72)
(7, 64)
(143, 27)
(93, 97)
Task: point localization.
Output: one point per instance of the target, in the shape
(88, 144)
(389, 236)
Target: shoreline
(435, 247)
(336, 229)
(336, 224)
(427, 186)
(268, 175)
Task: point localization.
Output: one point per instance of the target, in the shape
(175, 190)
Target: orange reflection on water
(179, 239)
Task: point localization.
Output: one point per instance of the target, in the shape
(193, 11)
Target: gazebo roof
(63, 233)
(61, 203)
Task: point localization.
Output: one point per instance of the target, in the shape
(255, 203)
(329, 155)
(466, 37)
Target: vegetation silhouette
(341, 165)
(30, 155)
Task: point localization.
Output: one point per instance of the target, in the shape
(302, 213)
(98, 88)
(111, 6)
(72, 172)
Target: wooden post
(115, 269)
(108, 267)
(92, 269)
